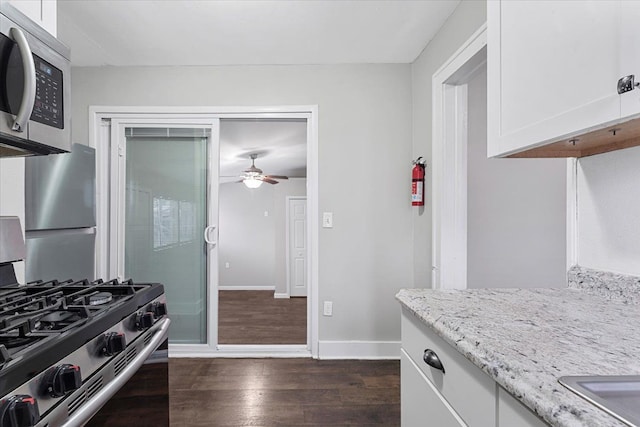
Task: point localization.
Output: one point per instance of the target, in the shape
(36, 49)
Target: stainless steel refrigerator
(60, 219)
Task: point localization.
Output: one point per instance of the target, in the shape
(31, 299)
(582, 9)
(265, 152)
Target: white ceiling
(247, 32)
(214, 32)
(281, 146)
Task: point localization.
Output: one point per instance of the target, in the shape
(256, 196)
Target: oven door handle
(92, 406)
(29, 74)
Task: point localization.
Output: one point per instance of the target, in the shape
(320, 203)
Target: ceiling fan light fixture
(252, 182)
(253, 177)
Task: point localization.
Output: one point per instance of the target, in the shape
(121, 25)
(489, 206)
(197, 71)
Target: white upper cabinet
(42, 12)
(553, 68)
(630, 54)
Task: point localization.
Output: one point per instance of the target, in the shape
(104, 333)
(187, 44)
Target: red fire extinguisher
(417, 182)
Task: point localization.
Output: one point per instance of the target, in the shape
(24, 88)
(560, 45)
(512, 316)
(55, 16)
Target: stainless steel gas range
(67, 347)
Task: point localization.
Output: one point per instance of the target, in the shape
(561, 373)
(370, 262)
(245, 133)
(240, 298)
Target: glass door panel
(165, 204)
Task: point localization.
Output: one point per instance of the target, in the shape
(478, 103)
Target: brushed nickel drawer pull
(431, 358)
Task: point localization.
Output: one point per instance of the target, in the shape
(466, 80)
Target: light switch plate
(328, 308)
(327, 220)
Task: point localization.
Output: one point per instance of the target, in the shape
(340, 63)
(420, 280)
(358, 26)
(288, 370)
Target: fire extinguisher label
(416, 191)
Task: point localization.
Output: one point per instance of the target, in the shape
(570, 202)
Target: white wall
(465, 20)
(516, 210)
(253, 244)
(609, 211)
(364, 166)
(246, 239)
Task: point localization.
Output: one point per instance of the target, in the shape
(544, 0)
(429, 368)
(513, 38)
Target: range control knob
(159, 309)
(63, 379)
(144, 320)
(19, 411)
(113, 343)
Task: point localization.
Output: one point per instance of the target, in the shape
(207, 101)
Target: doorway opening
(262, 223)
(496, 222)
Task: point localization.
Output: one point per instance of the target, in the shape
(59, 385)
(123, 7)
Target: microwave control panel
(48, 108)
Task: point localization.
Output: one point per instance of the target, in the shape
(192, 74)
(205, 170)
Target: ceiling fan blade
(277, 176)
(269, 180)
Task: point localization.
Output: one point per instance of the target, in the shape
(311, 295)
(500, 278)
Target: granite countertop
(525, 339)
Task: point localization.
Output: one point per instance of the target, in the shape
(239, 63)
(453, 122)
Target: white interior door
(164, 216)
(297, 246)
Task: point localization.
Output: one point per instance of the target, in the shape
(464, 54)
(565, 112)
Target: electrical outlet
(328, 308)
(226, 265)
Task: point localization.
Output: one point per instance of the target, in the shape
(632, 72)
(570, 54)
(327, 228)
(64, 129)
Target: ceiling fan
(253, 177)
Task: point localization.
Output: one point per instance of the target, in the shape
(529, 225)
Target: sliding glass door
(167, 216)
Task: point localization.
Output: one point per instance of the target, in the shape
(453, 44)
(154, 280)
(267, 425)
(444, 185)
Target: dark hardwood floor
(255, 317)
(284, 392)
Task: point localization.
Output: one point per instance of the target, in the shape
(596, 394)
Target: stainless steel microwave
(34, 88)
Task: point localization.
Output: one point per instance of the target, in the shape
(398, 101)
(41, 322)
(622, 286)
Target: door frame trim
(99, 113)
(448, 148)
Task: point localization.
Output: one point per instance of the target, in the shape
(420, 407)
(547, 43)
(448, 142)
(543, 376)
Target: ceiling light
(252, 182)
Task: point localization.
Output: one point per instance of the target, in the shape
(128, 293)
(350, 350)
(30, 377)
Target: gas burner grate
(59, 320)
(11, 342)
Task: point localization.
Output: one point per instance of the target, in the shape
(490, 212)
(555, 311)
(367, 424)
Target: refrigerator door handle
(207, 233)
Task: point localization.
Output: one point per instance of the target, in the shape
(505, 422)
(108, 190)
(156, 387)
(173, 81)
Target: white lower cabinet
(462, 395)
(513, 413)
(421, 403)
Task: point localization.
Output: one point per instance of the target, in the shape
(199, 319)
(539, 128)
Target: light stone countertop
(525, 339)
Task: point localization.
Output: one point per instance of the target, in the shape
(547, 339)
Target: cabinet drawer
(421, 403)
(469, 390)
